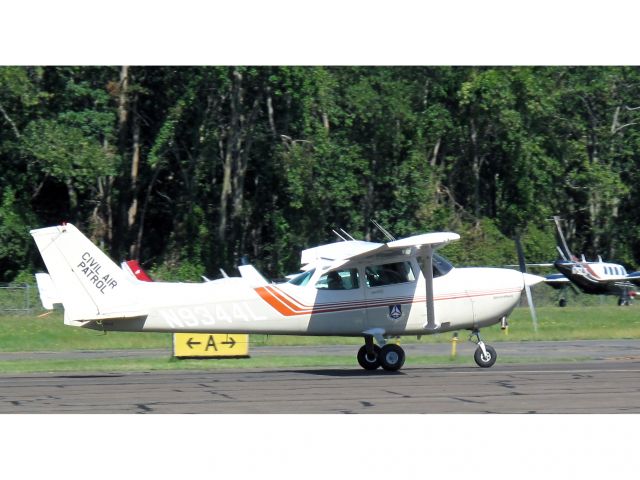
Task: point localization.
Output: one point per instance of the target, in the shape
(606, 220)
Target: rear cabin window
(389, 274)
(339, 280)
(302, 279)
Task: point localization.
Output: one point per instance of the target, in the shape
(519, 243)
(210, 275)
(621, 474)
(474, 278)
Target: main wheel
(367, 361)
(562, 302)
(391, 357)
(485, 361)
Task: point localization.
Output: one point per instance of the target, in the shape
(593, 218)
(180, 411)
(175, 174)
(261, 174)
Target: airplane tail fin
(563, 248)
(135, 270)
(89, 284)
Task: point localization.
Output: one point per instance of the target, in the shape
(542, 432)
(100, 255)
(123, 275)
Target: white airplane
(378, 291)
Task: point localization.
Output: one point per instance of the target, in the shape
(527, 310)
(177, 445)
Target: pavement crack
(396, 393)
(224, 395)
(466, 400)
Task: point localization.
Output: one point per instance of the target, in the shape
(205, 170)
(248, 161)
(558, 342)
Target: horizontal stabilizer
(47, 290)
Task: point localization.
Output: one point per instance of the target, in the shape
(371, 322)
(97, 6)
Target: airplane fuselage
(465, 298)
(596, 277)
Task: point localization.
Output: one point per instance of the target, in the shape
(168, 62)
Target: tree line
(190, 168)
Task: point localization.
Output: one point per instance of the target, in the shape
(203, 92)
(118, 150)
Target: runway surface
(606, 386)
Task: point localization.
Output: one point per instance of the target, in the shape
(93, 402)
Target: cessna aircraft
(378, 291)
(599, 277)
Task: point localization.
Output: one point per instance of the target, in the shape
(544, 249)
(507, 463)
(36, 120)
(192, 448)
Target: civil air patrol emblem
(395, 312)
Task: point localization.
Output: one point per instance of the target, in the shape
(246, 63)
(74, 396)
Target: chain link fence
(18, 298)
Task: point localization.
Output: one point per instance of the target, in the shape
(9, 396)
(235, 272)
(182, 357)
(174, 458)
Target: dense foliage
(189, 168)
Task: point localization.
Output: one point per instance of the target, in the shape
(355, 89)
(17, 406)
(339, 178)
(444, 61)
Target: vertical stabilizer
(89, 284)
(563, 248)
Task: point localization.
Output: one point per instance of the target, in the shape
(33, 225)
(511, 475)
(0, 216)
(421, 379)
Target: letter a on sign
(211, 343)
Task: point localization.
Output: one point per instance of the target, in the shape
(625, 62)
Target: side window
(389, 274)
(339, 280)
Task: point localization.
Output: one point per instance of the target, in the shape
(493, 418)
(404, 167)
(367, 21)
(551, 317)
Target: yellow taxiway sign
(210, 345)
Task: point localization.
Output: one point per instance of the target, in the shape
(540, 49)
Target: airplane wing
(556, 278)
(432, 240)
(634, 278)
(616, 279)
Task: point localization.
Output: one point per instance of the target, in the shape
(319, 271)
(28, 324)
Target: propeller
(527, 288)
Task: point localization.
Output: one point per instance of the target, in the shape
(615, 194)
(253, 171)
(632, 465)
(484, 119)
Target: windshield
(441, 266)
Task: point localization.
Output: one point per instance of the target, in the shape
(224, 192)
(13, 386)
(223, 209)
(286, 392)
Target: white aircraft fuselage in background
(351, 288)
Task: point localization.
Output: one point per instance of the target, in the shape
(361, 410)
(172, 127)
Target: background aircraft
(378, 291)
(597, 278)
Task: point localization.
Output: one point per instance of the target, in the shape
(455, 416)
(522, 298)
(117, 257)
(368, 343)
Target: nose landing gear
(485, 355)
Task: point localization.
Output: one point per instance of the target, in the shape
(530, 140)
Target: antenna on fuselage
(384, 231)
(339, 236)
(347, 234)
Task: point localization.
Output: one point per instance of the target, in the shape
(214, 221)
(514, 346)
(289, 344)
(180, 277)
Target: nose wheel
(485, 355)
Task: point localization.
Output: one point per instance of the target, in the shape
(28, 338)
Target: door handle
(376, 292)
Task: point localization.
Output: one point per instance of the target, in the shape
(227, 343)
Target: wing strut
(427, 271)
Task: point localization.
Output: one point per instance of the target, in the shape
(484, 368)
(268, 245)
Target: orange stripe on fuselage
(268, 297)
(300, 308)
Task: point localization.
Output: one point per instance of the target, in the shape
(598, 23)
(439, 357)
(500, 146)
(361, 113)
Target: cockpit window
(302, 279)
(339, 280)
(389, 274)
(441, 265)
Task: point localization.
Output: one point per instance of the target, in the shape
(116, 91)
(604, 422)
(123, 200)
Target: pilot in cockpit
(334, 281)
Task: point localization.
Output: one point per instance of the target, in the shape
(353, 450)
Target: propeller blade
(528, 280)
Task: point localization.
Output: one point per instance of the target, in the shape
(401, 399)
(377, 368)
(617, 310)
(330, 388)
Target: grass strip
(276, 362)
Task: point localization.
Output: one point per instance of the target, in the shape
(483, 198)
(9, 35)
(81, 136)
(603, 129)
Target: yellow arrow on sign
(210, 345)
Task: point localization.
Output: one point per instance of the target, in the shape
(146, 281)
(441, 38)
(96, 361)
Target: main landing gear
(390, 356)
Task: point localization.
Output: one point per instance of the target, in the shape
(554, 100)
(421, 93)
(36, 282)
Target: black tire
(391, 357)
(485, 362)
(562, 303)
(365, 361)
